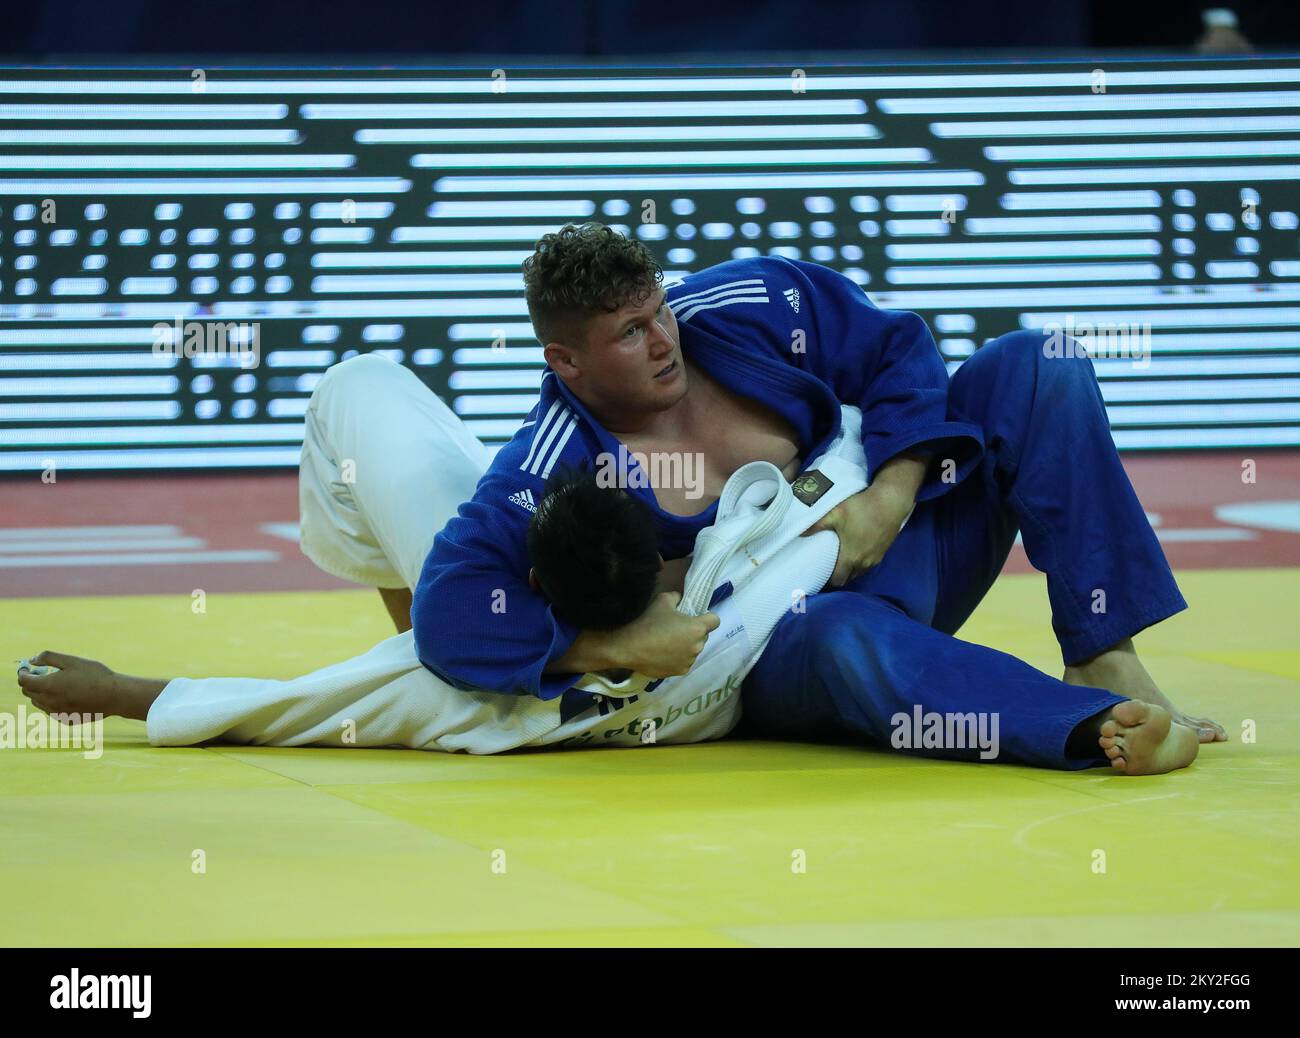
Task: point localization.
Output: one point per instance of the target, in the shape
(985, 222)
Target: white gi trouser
(385, 464)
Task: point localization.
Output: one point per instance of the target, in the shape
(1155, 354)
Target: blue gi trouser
(882, 645)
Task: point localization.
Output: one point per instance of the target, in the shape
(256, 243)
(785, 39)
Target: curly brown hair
(582, 270)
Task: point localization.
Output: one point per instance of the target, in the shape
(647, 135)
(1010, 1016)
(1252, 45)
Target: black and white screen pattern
(319, 213)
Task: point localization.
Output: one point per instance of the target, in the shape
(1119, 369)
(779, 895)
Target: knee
(1038, 358)
(366, 374)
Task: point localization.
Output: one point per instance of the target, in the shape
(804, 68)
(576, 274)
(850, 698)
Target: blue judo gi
(1020, 440)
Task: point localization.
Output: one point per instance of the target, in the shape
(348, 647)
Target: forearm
(590, 651)
(899, 480)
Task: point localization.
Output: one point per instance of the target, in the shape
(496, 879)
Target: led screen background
(361, 210)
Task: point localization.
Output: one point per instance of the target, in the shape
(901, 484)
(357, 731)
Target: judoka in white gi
(386, 697)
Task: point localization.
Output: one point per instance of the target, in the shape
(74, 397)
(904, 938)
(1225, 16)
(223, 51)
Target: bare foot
(82, 686)
(1119, 670)
(1141, 739)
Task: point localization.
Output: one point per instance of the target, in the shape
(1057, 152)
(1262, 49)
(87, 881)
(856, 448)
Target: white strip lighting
(1057, 224)
(1229, 389)
(495, 404)
(1080, 200)
(631, 159)
(1108, 367)
(205, 162)
(79, 287)
(1021, 273)
(1114, 295)
(209, 186)
(1154, 175)
(923, 203)
(519, 83)
(1198, 414)
(1285, 268)
(342, 235)
(1164, 439)
(284, 432)
(87, 361)
(469, 380)
(712, 181)
(1115, 127)
(506, 355)
(90, 411)
(1156, 150)
(992, 250)
(903, 227)
(141, 112)
(1225, 342)
(241, 136)
(1089, 102)
(1185, 318)
(75, 336)
(180, 458)
(418, 283)
(162, 558)
(334, 260)
(147, 286)
(564, 207)
(1231, 269)
(603, 134)
(300, 358)
(804, 108)
(89, 386)
(358, 211)
(517, 232)
(488, 333)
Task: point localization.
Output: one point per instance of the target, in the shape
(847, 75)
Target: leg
(385, 464)
(853, 667)
(1051, 470)
(382, 698)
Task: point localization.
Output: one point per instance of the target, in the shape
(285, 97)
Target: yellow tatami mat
(695, 845)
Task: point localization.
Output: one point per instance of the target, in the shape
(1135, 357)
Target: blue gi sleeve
(887, 364)
(477, 622)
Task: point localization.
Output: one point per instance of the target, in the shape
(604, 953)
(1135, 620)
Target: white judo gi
(385, 465)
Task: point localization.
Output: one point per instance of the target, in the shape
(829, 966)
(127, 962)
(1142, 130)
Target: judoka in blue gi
(751, 360)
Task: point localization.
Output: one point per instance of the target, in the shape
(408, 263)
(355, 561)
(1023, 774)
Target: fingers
(48, 658)
(711, 621)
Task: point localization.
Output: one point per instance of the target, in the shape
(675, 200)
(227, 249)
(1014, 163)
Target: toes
(1106, 742)
(1109, 728)
(1113, 752)
(1119, 763)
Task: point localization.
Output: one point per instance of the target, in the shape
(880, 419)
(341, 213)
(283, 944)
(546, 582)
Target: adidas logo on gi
(792, 297)
(524, 499)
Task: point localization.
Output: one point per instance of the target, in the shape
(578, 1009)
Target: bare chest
(688, 474)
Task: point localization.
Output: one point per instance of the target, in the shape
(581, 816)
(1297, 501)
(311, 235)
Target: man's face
(631, 364)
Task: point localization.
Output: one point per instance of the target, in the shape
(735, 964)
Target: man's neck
(673, 423)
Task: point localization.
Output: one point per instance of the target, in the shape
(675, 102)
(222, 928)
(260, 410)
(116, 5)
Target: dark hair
(582, 270)
(594, 550)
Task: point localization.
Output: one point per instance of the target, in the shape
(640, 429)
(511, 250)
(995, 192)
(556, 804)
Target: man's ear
(532, 580)
(561, 360)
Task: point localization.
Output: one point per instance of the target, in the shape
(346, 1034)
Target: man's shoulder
(552, 435)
